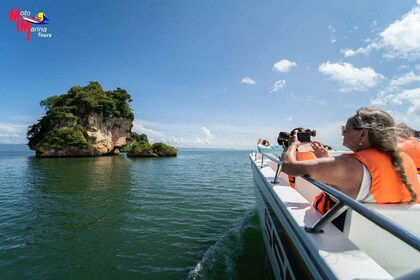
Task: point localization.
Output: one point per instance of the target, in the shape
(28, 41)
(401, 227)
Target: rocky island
(139, 146)
(88, 121)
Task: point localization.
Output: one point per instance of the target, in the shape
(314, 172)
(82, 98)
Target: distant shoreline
(212, 149)
(24, 147)
(14, 148)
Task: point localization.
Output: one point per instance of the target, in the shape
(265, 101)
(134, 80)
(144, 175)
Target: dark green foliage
(60, 138)
(125, 149)
(144, 149)
(62, 125)
(50, 102)
(163, 149)
(140, 147)
(132, 139)
(139, 137)
(135, 137)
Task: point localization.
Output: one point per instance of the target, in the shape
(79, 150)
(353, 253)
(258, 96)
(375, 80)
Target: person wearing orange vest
(408, 144)
(383, 173)
(308, 155)
(371, 158)
(375, 172)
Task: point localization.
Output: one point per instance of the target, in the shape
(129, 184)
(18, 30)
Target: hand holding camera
(306, 136)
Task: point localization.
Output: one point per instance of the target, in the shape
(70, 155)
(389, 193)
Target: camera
(306, 136)
(282, 142)
(283, 138)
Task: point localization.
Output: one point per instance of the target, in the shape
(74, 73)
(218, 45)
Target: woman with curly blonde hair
(375, 172)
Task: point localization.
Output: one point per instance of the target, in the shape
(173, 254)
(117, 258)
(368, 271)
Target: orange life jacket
(323, 203)
(300, 156)
(411, 147)
(387, 186)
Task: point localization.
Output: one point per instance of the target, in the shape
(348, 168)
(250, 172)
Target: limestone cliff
(107, 135)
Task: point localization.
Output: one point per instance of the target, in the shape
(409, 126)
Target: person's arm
(343, 173)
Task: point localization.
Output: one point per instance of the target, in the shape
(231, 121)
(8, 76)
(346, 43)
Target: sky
(216, 74)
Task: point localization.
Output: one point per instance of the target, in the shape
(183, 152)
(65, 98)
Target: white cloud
(405, 79)
(248, 81)
(176, 135)
(284, 65)
(13, 134)
(140, 128)
(401, 96)
(405, 97)
(405, 102)
(13, 128)
(351, 78)
(207, 133)
(366, 50)
(184, 135)
(401, 39)
(348, 52)
(279, 85)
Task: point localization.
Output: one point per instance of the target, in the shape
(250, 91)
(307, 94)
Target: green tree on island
(140, 147)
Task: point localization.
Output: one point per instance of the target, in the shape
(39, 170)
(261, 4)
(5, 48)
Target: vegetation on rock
(133, 138)
(163, 150)
(142, 148)
(64, 124)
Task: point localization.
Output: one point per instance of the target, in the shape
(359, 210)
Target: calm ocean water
(189, 217)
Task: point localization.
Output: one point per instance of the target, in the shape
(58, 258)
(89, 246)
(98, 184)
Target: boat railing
(345, 202)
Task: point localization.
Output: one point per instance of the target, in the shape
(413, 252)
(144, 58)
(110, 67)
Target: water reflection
(78, 205)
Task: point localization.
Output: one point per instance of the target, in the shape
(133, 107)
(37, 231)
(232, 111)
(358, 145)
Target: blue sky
(218, 74)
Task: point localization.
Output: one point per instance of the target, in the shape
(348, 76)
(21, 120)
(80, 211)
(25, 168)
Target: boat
(33, 20)
(40, 18)
(377, 241)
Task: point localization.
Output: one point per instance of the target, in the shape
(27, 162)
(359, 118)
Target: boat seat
(381, 245)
